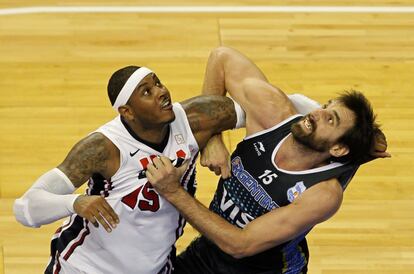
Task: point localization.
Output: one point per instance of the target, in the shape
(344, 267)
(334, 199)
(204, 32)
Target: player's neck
(294, 156)
(150, 134)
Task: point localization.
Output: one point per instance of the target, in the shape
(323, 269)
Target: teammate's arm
(315, 205)
(51, 198)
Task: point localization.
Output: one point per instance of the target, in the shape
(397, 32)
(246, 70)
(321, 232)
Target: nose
(319, 114)
(162, 92)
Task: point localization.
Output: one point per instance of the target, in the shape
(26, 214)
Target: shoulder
(323, 199)
(96, 142)
(93, 154)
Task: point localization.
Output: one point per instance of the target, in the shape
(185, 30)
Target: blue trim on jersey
(294, 258)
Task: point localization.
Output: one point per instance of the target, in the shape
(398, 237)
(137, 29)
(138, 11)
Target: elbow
(239, 248)
(221, 53)
(21, 212)
(236, 250)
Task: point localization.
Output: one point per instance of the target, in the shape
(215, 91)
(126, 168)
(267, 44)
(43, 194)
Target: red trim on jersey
(64, 226)
(57, 264)
(79, 242)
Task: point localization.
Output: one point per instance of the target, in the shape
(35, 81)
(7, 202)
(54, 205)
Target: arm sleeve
(48, 200)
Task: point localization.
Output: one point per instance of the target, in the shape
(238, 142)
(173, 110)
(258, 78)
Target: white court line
(206, 9)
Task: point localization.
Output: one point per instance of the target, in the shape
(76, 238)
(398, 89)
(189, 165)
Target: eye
(146, 92)
(158, 84)
(330, 120)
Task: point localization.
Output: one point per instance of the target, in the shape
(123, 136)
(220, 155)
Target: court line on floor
(205, 9)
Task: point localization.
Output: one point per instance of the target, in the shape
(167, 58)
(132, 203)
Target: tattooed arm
(93, 154)
(50, 197)
(209, 115)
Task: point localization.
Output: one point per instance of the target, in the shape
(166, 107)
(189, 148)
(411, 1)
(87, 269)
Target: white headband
(130, 86)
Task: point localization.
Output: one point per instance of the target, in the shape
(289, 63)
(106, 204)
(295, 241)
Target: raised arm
(230, 71)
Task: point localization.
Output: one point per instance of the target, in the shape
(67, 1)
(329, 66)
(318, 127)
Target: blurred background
(54, 69)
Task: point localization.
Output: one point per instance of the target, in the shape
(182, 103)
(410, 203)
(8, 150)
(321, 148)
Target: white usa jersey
(143, 241)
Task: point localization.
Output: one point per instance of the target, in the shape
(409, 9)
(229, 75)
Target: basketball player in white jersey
(122, 225)
(283, 178)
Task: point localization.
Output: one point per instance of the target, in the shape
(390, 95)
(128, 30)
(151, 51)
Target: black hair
(359, 138)
(118, 80)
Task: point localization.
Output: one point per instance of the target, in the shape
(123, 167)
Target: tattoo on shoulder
(88, 156)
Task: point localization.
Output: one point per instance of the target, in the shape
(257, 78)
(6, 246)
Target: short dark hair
(359, 138)
(118, 80)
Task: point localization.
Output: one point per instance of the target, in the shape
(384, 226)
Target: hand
(96, 210)
(216, 157)
(379, 147)
(164, 177)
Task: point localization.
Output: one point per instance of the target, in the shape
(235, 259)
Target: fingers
(97, 211)
(98, 216)
(92, 220)
(105, 215)
(217, 170)
(166, 162)
(109, 214)
(204, 161)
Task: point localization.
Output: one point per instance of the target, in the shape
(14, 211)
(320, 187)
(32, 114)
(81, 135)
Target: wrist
(175, 196)
(70, 200)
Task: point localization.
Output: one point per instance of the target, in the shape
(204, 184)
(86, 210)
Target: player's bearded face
(304, 131)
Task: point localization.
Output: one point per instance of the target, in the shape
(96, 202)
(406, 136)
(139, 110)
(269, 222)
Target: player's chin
(169, 117)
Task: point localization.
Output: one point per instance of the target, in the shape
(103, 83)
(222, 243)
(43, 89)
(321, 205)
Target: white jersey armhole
(122, 158)
(178, 109)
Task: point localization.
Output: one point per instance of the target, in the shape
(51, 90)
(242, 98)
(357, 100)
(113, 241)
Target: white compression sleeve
(48, 200)
(303, 104)
(240, 114)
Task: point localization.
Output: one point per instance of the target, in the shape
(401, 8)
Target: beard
(308, 139)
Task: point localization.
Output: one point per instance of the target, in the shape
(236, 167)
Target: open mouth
(309, 123)
(166, 104)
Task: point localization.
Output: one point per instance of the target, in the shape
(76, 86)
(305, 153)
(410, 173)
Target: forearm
(227, 237)
(256, 237)
(214, 83)
(48, 200)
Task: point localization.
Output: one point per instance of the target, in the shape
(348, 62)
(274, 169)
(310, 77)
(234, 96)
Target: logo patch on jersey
(259, 147)
(295, 191)
(179, 139)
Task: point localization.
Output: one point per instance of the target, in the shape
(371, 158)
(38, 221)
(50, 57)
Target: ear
(339, 150)
(126, 112)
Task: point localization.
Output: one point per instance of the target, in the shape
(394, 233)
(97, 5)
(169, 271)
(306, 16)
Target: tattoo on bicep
(215, 113)
(88, 156)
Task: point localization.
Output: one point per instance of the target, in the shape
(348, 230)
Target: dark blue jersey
(257, 186)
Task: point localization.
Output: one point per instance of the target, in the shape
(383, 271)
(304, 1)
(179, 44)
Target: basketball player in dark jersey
(287, 175)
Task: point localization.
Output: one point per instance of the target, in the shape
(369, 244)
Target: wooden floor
(54, 70)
